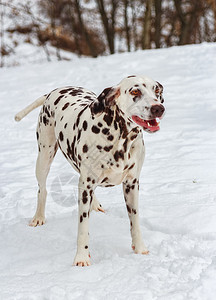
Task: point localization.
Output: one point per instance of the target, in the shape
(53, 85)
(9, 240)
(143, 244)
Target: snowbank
(177, 195)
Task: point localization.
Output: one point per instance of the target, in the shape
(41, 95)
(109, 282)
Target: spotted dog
(101, 137)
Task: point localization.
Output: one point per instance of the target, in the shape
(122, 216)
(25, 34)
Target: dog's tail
(20, 115)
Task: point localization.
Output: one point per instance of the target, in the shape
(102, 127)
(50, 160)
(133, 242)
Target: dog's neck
(126, 124)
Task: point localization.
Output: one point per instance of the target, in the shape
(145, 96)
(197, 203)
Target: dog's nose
(157, 110)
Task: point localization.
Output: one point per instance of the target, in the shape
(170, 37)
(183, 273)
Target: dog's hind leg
(47, 147)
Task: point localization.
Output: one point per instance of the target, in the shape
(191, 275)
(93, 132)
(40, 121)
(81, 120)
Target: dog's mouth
(148, 125)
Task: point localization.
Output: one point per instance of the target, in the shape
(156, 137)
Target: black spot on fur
(84, 197)
(76, 92)
(108, 148)
(95, 129)
(61, 136)
(131, 166)
(58, 99)
(118, 155)
(133, 137)
(129, 209)
(88, 97)
(85, 125)
(65, 90)
(79, 134)
(115, 125)
(125, 145)
(79, 115)
(127, 190)
(47, 112)
(65, 106)
(110, 137)
(45, 120)
(122, 124)
(105, 131)
(105, 179)
(85, 148)
(108, 117)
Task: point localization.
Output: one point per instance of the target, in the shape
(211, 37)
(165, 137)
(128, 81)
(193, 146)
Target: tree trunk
(134, 26)
(126, 25)
(2, 35)
(188, 21)
(146, 36)
(158, 14)
(83, 29)
(109, 27)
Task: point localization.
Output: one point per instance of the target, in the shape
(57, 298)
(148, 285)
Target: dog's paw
(37, 220)
(97, 206)
(82, 260)
(140, 249)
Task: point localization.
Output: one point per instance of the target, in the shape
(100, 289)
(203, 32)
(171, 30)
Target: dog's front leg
(82, 257)
(131, 194)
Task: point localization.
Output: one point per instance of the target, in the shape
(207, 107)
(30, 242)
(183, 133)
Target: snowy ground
(177, 196)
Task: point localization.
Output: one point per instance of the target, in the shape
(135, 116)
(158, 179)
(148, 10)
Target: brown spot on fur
(85, 125)
(118, 155)
(58, 99)
(85, 148)
(84, 197)
(61, 136)
(65, 106)
(95, 129)
(131, 166)
(129, 209)
(108, 148)
(105, 179)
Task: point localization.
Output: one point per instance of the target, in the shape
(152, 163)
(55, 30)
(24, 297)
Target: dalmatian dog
(101, 137)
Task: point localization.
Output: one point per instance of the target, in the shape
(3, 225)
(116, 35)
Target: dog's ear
(160, 87)
(106, 99)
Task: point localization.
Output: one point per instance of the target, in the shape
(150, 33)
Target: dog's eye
(135, 92)
(157, 90)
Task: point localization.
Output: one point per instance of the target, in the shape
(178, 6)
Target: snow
(177, 191)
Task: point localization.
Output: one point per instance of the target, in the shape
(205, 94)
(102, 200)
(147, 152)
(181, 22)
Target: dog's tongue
(151, 125)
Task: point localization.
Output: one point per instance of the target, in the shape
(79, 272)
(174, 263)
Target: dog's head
(139, 97)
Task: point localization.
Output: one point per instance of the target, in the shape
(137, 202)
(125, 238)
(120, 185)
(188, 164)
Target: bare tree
(213, 6)
(146, 34)
(188, 13)
(108, 22)
(158, 15)
(134, 34)
(126, 25)
(84, 30)
(2, 34)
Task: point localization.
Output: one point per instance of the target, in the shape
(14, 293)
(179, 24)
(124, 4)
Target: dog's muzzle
(151, 124)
